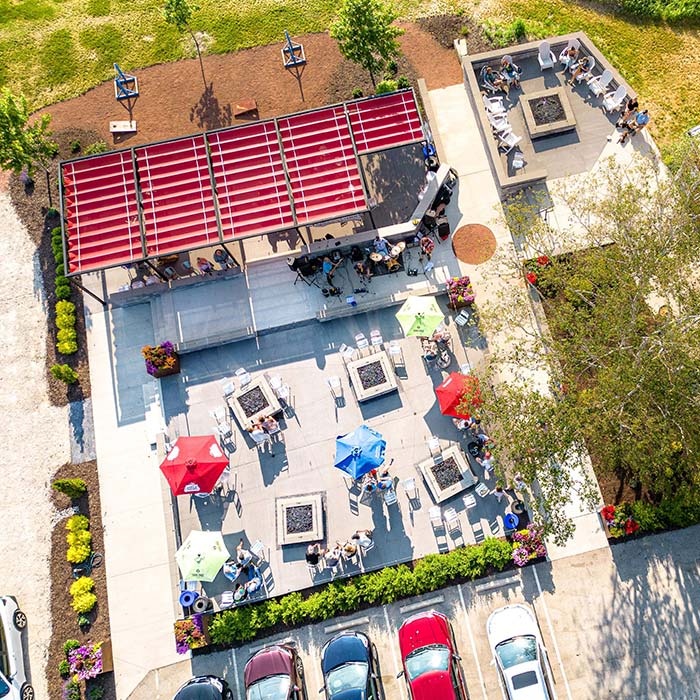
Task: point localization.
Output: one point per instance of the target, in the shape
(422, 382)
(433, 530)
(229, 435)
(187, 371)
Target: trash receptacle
(187, 598)
(202, 604)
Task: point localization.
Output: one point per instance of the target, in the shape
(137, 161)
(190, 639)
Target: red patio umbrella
(194, 465)
(458, 389)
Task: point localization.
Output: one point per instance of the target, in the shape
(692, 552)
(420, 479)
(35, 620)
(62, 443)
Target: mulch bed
(473, 244)
(64, 619)
(31, 205)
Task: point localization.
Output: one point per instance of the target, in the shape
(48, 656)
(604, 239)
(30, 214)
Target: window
(350, 676)
(4, 657)
(4, 688)
(431, 658)
(518, 650)
(524, 680)
(270, 688)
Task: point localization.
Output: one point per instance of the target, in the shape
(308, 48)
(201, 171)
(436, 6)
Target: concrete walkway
(478, 201)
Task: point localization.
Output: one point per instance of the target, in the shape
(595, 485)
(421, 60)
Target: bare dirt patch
(445, 29)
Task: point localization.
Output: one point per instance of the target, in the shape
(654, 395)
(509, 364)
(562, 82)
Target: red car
(430, 658)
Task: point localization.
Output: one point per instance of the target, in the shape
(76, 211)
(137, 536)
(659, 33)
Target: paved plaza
(301, 461)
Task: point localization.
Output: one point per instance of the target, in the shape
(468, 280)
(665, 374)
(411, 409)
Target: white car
(13, 679)
(520, 657)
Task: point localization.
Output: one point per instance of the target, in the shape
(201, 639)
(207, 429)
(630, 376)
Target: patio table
(259, 389)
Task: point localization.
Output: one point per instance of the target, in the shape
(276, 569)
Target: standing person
(631, 108)
(329, 269)
(519, 482)
(205, 267)
(635, 125)
(427, 246)
(269, 424)
(498, 492)
(487, 463)
(349, 549)
(333, 558)
(313, 554)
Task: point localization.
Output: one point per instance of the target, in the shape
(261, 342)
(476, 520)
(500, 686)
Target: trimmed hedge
(65, 310)
(377, 588)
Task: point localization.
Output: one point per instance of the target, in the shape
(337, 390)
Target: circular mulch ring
(473, 244)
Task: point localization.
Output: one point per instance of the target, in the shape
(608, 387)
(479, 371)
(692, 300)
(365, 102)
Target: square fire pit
(547, 112)
(372, 376)
(299, 519)
(448, 477)
(254, 401)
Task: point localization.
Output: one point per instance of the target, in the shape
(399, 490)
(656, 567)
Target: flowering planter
(167, 372)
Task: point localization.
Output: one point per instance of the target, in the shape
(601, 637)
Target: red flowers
(608, 514)
(631, 526)
(531, 277)
(543, 260)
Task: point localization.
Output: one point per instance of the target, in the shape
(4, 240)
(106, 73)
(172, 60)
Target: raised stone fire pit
(372, 376)
(254, 401)
(299, 518)
(547, 112)
(447, 477)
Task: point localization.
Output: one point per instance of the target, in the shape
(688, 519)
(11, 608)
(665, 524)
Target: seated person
(385, 481)
(254, 583)
(224, 260)
(369, 483)
(349, 549)
(631, 109)
(363, 271)
(583, 66)
(269, 424)
(333, 557)
(569, 56)
(510, 72)
(313, 554)
(427, 245)
(243, 556)
(241, 593)
(492, 81)
(231, 570)
(205, 267)
(257, 432)
(363, 537)
(635, 125)
(381, 246)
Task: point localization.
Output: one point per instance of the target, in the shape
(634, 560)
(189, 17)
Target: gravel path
(35, 437)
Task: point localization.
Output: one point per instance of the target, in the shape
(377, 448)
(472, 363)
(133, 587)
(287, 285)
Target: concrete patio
(302, 462)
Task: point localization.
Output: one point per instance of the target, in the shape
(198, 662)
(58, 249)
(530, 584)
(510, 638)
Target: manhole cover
(473, 244)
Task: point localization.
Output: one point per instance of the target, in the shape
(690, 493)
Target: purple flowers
(159, 357)
(528, 544)
(189, 634)
(86, 661)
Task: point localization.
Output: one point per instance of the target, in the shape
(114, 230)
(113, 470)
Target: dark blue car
(350, 668)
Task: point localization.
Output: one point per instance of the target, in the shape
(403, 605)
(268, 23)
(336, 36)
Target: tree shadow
(208, 113)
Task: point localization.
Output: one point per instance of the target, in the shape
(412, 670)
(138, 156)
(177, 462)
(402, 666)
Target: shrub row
(65, 312)
(376, 588)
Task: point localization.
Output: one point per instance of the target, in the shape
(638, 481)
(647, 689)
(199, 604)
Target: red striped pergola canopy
(203, 190)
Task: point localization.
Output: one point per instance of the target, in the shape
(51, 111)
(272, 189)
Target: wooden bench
(122, 127)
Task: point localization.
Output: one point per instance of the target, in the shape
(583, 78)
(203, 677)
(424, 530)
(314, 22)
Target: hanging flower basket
(161, 360)
(459, 293)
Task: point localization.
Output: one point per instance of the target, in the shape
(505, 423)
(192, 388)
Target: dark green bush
(64, 373)
(519, 30)
(61, 280)
(356, 93)
(71, 690)
(97, 147)
(73, 488)
(63, 292)
(391, 68)
(402, 83)
(69, 644)
(64, 667)
(75, 146)
(379, 587)
(96, 692)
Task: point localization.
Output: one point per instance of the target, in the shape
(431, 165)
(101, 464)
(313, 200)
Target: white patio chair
(478, 532)
(587, 75)
(395, 353)
(364, 548)
(410, 488)
(283, 393)
(223, 431)
(435, 515)
(390, 497)
(482, 489)
(469, 501)
(243, 377)
(613, 100)
(499, 122)
(275, 382)
(465, 368)
(375, 338)
(433, 443)
(494, 105)
(361, 342)
(462, 318)
(258, 551)
(599, 84)
(452, 519)
(346, 352)
(226, 599)
(218, 414)
(545, 56)
(228, 388)
(573, 44)
(508, 140)
(336, 386)
(261, 440)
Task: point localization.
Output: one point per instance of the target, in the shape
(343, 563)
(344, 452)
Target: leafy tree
(366, 35)
(178, 13)
(606, 362)
(24, 145)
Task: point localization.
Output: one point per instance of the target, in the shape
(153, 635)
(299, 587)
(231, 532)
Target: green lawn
(54, 49)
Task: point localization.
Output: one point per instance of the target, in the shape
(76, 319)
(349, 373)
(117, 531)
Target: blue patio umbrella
(360, 451)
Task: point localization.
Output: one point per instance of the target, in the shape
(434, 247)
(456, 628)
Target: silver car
(521, 660)
(13, 679)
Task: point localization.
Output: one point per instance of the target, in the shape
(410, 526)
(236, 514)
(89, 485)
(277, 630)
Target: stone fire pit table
(372, 376)
(299, 519)
(448, 477)
(250, 403)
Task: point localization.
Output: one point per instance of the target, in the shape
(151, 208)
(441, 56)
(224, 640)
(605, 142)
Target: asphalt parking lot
(619, 624)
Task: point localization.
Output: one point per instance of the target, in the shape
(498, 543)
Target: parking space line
(471, 641)
(276, 642)
(551, 633)
(339, 626)
(394, 654)
(316, 661)
(235, 673)
(421, 604)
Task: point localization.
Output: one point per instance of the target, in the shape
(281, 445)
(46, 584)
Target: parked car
(350, 668)
(204, 688)
(521, 659)
(13, 679)
(430, 658)
(275, 673)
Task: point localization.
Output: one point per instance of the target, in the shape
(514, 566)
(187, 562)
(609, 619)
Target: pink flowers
(459, 290)
(86, 661)
(528, 544)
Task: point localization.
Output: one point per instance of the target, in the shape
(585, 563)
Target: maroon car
(430, 658)
(275, 673)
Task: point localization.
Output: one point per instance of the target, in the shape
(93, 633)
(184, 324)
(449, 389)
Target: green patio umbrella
(201, 556)
(420, 316)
